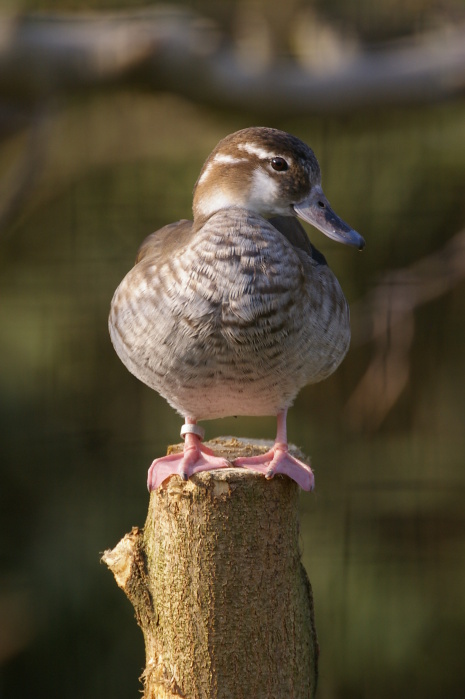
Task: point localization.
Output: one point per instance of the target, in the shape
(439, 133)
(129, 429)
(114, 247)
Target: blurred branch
(171, 49)
(386, 316)
(43, 57)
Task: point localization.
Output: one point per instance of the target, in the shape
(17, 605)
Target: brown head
(271, 173)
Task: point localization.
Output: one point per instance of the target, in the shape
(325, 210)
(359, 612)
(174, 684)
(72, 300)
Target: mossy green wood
(221, 595)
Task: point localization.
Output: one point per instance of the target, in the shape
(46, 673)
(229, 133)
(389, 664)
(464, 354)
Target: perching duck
(233, 313)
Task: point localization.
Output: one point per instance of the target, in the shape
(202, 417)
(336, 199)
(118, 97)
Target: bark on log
(218, 587)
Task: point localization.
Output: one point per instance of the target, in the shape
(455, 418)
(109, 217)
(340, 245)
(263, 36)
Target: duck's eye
(279, 164)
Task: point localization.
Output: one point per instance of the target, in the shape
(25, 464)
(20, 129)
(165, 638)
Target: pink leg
(278, 459)
(194, 458)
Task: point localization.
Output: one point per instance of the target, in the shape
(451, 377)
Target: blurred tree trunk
(218, 587)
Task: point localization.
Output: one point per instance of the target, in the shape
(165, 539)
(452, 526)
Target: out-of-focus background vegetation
(86, 174)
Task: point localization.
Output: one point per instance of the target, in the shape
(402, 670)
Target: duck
(234, 312)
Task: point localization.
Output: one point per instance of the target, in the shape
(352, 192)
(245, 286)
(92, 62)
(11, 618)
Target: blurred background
(107, 112)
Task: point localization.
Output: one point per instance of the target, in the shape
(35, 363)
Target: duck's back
(230, 319)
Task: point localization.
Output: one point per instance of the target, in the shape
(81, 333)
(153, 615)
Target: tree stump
(218, 587)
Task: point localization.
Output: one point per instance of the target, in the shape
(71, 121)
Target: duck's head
(271, 173)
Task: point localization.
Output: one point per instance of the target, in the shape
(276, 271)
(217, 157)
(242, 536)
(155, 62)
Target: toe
(301, 473)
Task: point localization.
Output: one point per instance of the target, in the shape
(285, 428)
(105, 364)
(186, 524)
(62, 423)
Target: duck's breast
(234, 321)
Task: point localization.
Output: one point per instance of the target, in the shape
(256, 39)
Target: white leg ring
(193, 429)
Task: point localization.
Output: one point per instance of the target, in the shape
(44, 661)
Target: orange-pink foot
(278, 460)
(193, 459)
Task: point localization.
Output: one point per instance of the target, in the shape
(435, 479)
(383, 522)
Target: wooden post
(218, 587)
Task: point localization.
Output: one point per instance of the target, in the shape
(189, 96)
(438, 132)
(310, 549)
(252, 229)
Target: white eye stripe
(261, 152)
(220, 158)
(229, 159)
(256, 150)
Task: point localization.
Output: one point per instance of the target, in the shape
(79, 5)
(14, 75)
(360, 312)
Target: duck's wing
(295, 234)
(166, 240)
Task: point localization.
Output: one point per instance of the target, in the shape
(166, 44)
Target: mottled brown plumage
(232, 314)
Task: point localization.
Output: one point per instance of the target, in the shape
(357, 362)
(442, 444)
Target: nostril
(321, 204)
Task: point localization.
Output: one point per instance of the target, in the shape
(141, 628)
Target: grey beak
(315, 209)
